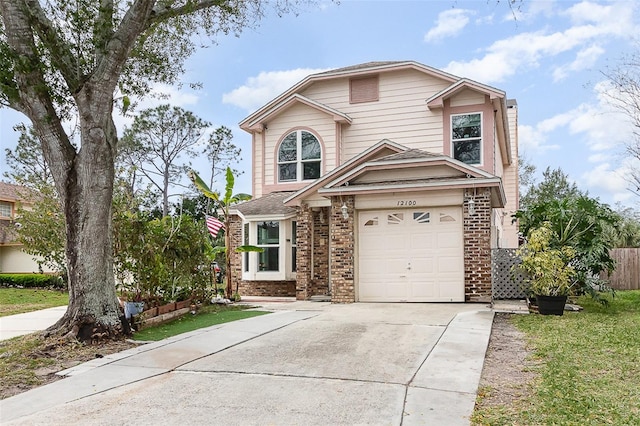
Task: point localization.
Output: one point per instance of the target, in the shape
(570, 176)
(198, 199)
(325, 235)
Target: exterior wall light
(472, 206)
(345, 213)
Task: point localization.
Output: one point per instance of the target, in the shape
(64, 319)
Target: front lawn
(19, 300)
(587, 365)
(206, 317)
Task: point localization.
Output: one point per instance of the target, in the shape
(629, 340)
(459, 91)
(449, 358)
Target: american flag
(213, 225)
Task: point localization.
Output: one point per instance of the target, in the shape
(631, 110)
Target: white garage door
(411, 255)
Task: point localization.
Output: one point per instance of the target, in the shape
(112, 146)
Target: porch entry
(411, 255)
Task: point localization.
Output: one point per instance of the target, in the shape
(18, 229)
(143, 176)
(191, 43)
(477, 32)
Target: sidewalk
(29, 322)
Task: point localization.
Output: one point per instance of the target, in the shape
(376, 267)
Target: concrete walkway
(317, 364)
(29, 322)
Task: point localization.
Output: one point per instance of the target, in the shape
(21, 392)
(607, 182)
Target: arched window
(299, 157)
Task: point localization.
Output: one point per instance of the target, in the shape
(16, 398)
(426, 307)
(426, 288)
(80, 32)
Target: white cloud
(259, 90)
(532, 139)
(597, 125)
(535, 8)
(609, 180)
(509, 56)
(449, 23)
(599, 157)
(584, 59)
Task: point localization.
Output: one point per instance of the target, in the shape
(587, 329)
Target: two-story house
(385, 181)
(12, 258)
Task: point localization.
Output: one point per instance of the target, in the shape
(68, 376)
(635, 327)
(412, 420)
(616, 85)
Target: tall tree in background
(158, 143)
(625, 96)
(555, 185)
(64, 59)
(27, 165)
(221, 152)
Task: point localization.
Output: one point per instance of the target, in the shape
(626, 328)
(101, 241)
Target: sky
(550, 56)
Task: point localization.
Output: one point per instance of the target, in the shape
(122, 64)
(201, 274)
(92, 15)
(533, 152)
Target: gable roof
(496, 96)
(257, 123)
(437, 100)
(344, 179)
(354, 70)
(372, 152)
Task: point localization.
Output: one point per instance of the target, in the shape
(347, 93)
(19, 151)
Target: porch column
(477, 247)
(304, 233)
(342, 256)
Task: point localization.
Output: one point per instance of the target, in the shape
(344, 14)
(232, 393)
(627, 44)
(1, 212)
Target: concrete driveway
(309, 364)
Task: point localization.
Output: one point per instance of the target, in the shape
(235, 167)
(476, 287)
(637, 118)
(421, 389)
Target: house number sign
(406, 203)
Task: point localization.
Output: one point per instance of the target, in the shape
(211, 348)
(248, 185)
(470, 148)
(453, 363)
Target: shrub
(31, 281)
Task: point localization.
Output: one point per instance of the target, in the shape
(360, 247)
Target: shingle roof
(11, 192)
(270, 204)
(365, 65)
(408, 155)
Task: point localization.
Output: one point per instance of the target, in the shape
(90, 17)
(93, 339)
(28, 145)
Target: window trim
(252, 272)
(452, 141)
(299, 162)
(10, 206)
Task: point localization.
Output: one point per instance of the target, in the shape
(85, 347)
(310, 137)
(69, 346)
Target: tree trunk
(93, 312)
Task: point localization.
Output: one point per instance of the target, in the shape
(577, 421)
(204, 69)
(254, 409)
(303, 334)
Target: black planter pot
(551, 305)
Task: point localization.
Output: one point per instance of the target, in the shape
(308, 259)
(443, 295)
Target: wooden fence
(627, 273)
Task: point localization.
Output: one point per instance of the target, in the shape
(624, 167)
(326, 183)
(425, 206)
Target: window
(5, 209)
(422, 217)
(269, 240)
(294, 246)
(299, 157)
(363, 89)
(466, 138)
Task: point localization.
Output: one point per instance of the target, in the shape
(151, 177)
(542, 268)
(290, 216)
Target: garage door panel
(429, 240)
(448, 264)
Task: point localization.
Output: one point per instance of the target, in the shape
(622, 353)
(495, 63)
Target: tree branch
(61, 56)
(162, 13)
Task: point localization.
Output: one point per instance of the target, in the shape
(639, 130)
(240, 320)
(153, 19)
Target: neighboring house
(12, 258)
(380, 182)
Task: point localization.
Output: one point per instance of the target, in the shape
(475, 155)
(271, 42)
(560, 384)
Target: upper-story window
(466, 138)
(5, 209)
(299, 157)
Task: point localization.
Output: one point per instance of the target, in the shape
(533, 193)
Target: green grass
(19, 300)
(588, 367)
(207, 316)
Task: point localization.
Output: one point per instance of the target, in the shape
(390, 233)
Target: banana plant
(223, 203)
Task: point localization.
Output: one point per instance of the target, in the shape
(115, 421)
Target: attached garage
(411, 255)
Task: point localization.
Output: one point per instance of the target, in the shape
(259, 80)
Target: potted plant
(551, 276)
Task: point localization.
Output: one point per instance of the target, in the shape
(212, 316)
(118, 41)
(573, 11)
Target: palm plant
(223, 203)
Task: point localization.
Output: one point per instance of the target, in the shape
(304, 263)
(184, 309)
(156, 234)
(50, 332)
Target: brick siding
(342, 251)
(477, 248)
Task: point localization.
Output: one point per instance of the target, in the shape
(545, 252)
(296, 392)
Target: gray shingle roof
(409, 154)
(269, 204)
(365, 65)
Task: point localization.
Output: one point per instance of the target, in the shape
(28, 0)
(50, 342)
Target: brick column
(304, 232)
(477, 247)
(320, 270)
(235, 232)
(342, 250)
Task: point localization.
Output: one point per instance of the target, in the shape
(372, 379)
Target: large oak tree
(64, 60)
